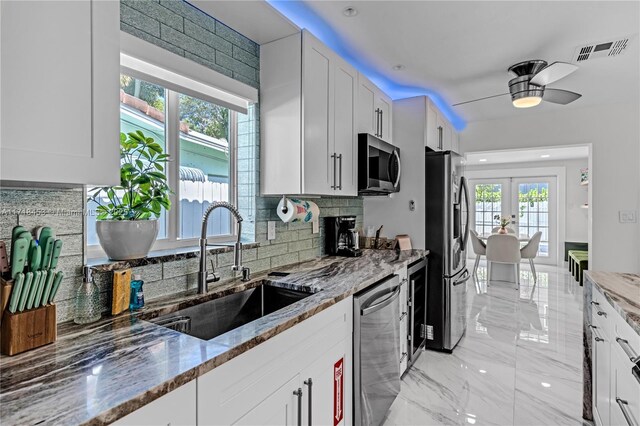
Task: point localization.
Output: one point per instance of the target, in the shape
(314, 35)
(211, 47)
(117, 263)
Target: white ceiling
(462, 49)
(526, 155)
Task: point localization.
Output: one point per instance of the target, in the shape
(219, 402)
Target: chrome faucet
(204, 277)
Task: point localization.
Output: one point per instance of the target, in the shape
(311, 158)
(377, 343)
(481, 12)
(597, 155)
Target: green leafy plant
(503, 221)
(143, 191)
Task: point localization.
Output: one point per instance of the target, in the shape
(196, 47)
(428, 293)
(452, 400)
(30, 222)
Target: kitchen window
(200, 137)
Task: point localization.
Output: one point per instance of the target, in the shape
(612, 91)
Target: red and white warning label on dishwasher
(338, 392)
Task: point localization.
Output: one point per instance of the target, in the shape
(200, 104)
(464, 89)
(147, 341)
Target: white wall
(614, 132)
(577, 218)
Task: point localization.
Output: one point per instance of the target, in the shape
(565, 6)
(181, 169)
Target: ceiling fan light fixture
(527, 101)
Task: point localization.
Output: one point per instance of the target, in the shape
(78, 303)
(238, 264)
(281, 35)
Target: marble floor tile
(519, 362)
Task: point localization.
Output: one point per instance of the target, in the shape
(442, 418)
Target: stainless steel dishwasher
(376, 351)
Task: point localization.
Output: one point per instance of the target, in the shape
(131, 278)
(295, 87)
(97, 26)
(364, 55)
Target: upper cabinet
(308, 125)
(59, 82)
(441, 136)
(375, 110)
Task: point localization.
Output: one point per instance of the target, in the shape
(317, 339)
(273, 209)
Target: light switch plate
(628, 216)
(271, 230)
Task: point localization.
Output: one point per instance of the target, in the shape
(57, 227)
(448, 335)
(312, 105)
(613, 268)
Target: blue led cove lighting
(304, 17)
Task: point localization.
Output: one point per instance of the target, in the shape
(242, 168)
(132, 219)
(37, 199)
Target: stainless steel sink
(215, 317)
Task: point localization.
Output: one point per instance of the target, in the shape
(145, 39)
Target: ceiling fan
(528, 88)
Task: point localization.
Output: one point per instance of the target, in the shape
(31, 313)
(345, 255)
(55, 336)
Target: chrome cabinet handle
(599, 339)
(595, 335)
(404, 314)
(440, 137)
(334, 156)
(340, 173)
(628, 350)
(309, 383)
(381, 121)
(404, 355)
(602, 314)
(627, 416)
(595, 303)
(298, 393)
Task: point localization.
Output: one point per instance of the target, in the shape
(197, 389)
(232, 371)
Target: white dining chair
(530, 251)
(509, 230)
(479, 248)
(504, 249)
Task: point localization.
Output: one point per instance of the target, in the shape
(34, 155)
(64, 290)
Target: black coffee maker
(341, 237)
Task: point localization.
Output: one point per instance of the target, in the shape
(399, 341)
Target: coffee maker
(341, 237)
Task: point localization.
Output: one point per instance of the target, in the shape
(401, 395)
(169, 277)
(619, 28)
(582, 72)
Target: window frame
(172, 168)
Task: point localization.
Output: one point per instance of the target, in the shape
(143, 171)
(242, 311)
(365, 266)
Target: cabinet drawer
(175, 408)
(602, 314)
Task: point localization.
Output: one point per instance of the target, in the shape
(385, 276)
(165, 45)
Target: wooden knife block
(28, 329)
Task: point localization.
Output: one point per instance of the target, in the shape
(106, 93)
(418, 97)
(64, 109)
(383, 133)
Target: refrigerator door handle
(465, 235)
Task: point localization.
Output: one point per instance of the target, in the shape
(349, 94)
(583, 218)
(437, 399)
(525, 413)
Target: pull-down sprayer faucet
(204, 278)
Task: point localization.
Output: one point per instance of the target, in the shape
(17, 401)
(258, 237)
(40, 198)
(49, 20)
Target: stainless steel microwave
(379, 166)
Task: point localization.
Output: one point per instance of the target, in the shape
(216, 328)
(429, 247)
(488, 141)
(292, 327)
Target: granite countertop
(99, 373)
(622, 291)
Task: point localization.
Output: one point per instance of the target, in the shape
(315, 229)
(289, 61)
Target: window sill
(103, 264)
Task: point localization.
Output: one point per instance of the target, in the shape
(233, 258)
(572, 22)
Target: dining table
(522, 237)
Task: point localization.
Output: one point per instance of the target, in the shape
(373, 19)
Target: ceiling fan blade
(480, 99)
(553, 72)
(559, 96)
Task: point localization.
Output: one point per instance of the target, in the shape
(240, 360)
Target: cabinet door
(384, 103)
(317, 142)
(366, 106)
(601, 370)
(175, 408)
(279, 409)
(59, 96)
(432, 127)
(344, 127)
(455, 142)
(625, 392)
(441, 125)
(327, 398)
(447, 145)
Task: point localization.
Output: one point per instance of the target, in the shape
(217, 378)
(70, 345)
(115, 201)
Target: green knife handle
(47, 288)
(46, 253)
(34, 289)
(16, 290)
(57, 248)
(56, 285)
(19, 256)
(28, 279)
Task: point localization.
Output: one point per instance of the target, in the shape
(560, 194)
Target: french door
(530, 203)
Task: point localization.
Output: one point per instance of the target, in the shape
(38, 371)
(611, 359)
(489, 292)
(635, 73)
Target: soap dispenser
(87, 299)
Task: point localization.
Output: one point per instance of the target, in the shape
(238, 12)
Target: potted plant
(503, 221)
(127, 214)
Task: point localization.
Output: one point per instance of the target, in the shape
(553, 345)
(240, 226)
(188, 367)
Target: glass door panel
(489, 198)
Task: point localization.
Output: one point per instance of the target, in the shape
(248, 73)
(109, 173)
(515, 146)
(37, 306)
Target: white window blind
(146, 61)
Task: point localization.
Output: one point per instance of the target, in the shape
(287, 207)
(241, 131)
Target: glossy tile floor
(519, 363)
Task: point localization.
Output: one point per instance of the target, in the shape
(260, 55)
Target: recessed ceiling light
(482, 160)
(349, 11)
(546, 385)
(398, 67)
(545, 156)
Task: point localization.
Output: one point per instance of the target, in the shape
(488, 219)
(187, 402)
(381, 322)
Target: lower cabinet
(175, 408)
(404, 320)
(616, 392)
(304, 371)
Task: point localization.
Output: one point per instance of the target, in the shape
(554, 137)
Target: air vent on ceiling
(600, 50)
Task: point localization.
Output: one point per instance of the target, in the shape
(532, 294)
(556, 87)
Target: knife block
(26, 330)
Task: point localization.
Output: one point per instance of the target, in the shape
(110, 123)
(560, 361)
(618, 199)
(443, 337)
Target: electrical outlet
(271, 230)
(627, 216)
(412, 205)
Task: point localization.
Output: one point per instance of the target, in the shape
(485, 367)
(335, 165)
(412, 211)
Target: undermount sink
(215, 317)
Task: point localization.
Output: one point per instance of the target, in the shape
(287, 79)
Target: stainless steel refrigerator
(447, 233)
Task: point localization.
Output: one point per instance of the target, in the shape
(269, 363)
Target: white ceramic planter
(126, 239)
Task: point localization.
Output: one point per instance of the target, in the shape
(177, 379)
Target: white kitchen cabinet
(178, 407)
(614, 388)
(261, 381)
(60, 91)
(307, 106)
(375, 110)
(455, 142)
(441, 135)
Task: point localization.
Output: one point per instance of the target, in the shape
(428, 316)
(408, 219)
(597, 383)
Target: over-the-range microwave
(379, 166)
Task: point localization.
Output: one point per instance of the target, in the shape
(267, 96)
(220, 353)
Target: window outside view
(205, 154)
